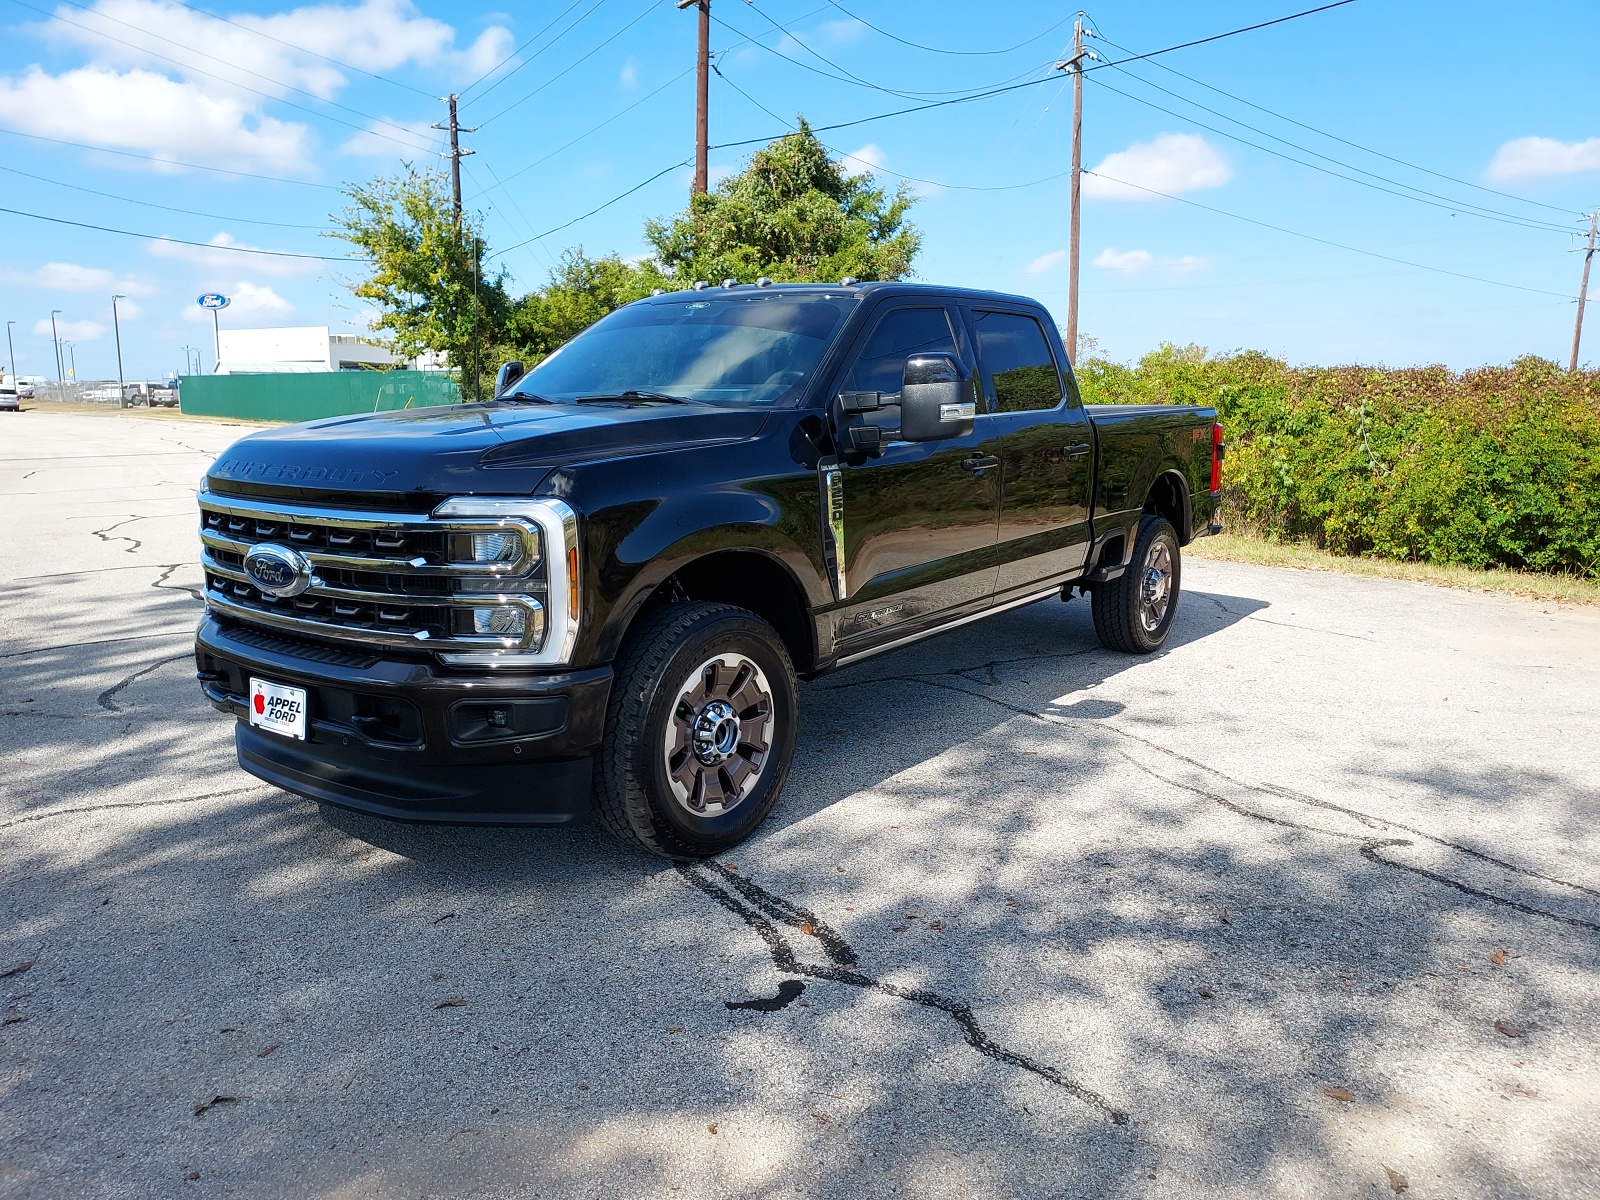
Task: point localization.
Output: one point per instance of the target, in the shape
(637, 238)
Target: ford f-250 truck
(599, 589)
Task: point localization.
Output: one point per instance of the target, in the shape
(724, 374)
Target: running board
(860, 655)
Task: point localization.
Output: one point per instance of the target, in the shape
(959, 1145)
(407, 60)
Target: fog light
(501, 621)
(485, 547)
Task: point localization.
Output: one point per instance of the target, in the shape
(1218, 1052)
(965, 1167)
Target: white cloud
(1521, 158)
(394, 139)
(375, 35)
(1173, 163)
(127, 310)
(70, 331)
(629, 75)
(70, 277)
(1128, 261)
(217, 257)
(166, 80)
(1186, 263)
(843, 31)
(1047, 262)
(151, 114)
(869, 157)
(246, 301)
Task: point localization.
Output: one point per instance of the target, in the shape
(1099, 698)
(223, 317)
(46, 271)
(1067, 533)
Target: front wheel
(1133, 612)
(699, 732)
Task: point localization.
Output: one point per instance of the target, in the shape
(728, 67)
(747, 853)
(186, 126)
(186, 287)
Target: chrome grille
(377, 578)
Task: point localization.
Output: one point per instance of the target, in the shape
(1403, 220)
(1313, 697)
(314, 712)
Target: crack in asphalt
(166, 574)
(135, 543)
(1367, 847)
(104, 698)
(758, 905)
(134, 637)
(92, 808)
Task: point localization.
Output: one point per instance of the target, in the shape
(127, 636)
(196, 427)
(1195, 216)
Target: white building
(299, 349)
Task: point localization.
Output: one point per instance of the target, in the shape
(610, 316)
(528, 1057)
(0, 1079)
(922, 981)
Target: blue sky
(1487, 116)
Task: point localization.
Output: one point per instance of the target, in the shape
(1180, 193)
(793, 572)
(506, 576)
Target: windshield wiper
(635, 394)
(524, 397)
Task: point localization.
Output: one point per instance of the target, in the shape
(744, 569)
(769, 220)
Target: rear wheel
(1133, 613)
(699, 732)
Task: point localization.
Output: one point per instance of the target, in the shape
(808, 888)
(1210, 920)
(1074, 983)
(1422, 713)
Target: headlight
(550, 548)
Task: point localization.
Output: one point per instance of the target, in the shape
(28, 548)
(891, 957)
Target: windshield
(725, 350)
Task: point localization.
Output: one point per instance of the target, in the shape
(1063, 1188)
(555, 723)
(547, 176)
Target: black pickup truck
(599, 590)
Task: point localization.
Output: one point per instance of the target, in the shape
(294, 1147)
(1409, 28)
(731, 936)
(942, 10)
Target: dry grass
(88, 408)
(1569, 589)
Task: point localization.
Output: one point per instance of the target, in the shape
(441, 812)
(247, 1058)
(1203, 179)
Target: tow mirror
(866, 422)
(507, 375)
(937, 399)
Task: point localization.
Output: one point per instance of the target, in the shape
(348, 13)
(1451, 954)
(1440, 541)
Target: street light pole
(122, 394)
(11, 346)
(55, 337)
(72, 352)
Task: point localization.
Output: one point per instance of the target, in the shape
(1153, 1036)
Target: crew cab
(597, 591)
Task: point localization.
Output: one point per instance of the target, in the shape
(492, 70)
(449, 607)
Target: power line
(1048, 78)
(302, 49)
(169, 162)
(846, 76)
(598, 208)
(648, 9)
(591, 130)
(230, 82)
(554, 21)
(188, 212)
(937, 50)
(158, 237)
(1438, 201)
(1321, 240)
(1217, 37)
(1330, 136)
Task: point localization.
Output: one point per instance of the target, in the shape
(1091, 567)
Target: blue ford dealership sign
(213, 300)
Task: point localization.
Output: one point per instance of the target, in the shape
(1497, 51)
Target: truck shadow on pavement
(1043, 952)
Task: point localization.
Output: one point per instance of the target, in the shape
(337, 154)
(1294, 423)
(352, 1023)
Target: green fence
(307, 396)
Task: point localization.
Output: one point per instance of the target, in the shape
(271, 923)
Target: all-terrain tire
(1133, 612)
(663, 667)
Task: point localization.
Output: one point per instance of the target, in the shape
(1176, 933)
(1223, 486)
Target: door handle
(979, 463)
(1076, 450)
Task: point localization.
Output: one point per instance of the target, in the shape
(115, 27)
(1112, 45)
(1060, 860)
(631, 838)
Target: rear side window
(900, 334)
(1018, 359)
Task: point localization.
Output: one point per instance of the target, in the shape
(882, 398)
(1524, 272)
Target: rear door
(920, 521)
(1046, 447)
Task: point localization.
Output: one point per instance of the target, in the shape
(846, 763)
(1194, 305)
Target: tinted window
(899, 335)
(740, 351)
(1019, 361)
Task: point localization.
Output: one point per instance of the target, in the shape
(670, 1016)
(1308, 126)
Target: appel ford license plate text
(278, 708)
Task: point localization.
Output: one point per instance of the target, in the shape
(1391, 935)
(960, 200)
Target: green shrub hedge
(1498, 467)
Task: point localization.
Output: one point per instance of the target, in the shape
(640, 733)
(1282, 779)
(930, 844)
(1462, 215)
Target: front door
(1044, 441)
(920, 521)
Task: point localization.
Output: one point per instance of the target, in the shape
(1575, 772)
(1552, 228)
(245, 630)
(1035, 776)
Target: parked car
(10, 400)
(25, 390)
(602, 587)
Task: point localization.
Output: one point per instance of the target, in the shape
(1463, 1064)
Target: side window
(899, 335)
(1018, 359)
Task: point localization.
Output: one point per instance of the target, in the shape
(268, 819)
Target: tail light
(1219, 449)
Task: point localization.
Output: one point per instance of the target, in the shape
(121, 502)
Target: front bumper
(410, 740)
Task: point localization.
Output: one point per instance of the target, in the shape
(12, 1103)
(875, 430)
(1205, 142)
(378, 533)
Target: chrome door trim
(859, 655)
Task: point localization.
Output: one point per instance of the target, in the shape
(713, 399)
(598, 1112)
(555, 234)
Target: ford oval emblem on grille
(278, 570)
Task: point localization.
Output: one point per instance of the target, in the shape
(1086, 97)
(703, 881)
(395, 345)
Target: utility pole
(11, 346)
(1583, 291)
(702, 114)
(72, 349)
(1075, 65)
(116, 326)
(61, 374)
(455, 154)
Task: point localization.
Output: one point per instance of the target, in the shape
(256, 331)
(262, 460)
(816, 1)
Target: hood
(461, 449)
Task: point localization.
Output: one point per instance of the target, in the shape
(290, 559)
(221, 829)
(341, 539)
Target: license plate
(277, 708)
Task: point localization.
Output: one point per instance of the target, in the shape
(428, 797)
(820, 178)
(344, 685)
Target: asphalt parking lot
(1306, 905)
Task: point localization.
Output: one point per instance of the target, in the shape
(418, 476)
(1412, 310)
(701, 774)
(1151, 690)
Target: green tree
(426, 278)
(792, 215)
(580, 291)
